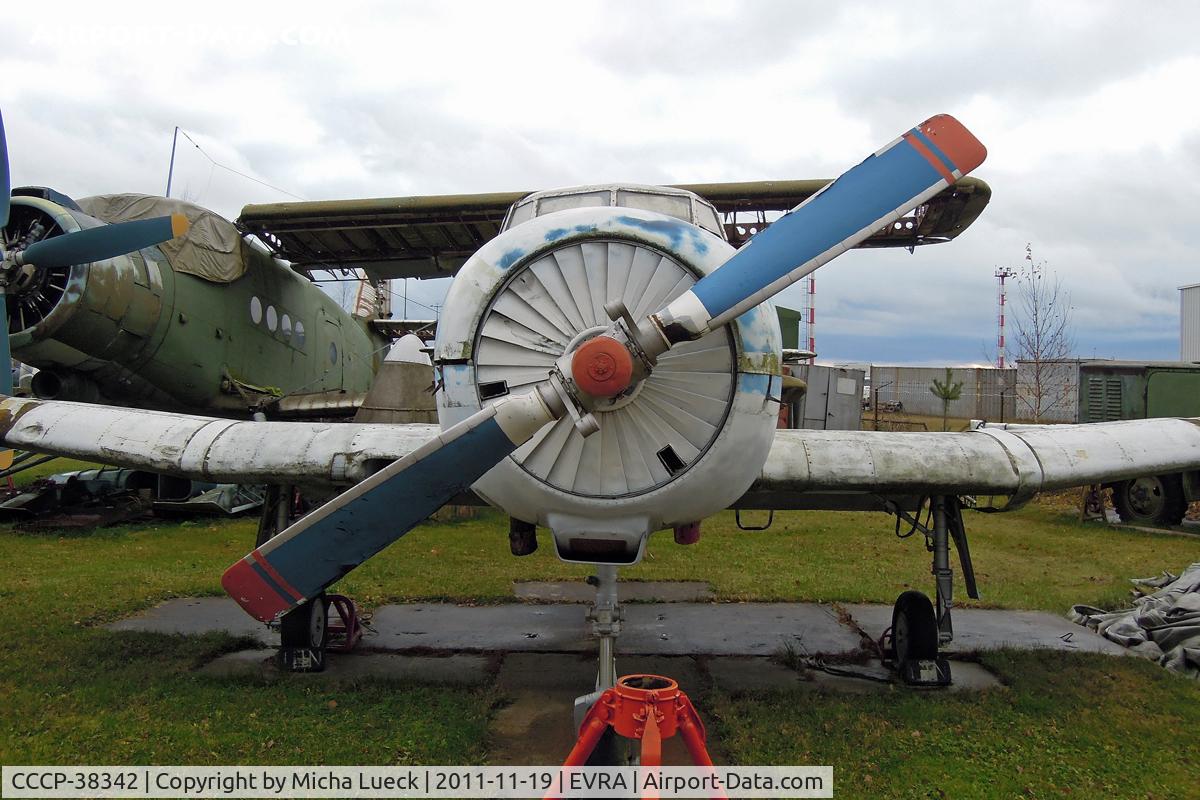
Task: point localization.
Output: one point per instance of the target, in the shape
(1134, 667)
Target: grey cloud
(1129, 218)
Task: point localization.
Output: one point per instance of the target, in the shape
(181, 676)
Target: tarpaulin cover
(1163, 625)
(211, 249)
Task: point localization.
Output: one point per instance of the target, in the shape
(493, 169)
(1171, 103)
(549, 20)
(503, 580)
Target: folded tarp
(1163, 625)
(211, 249)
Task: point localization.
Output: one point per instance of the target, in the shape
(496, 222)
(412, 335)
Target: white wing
(203, 448)
(805, 468)
(1013, 461)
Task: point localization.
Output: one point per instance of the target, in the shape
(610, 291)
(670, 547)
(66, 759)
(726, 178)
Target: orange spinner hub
(602, 367)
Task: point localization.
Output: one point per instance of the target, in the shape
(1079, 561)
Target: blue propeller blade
(6, 385)
(320, 548)
(106, 241)
(5, 185)
(877, 192)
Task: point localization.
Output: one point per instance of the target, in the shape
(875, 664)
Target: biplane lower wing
(803, 464)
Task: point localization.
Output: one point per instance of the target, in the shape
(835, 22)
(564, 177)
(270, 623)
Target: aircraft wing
(945, 216)
(805, 468)
(432, 236)
(389, 237)
(206, 448)
(1015, 463)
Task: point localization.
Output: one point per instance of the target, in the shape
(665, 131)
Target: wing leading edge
(1017, 463)
(206, 448)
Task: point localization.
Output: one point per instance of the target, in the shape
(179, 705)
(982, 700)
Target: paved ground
(631, 591)
(540, 654)
(683, 629)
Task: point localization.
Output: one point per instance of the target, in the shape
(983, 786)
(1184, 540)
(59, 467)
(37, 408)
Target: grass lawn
(903, 421)
(1067, 725)
(74, 693)
(1036, 558)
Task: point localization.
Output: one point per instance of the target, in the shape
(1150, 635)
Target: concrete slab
(197, 615)
(663, 629)
(682, 629)
(577, 673)
(515, 627)
(971, 677)
(455, 670)
(631, 591)
(967, 676)
(747, 629)
(875, 679)
(738, 675)
(574, 673)
(977, 629)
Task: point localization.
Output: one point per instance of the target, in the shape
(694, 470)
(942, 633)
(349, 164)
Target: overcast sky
(1088, 111)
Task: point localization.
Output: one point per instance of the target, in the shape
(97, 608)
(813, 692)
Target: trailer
(1117, 390)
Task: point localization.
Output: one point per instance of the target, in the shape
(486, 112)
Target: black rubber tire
(1151, 500)
(307, 625)
(914, 628)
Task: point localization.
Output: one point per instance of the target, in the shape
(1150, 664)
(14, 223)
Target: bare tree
(1044, 341)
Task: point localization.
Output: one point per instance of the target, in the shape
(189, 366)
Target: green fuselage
(133, 331)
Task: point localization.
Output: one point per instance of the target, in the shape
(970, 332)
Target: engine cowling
(97, 324)
(682, 445)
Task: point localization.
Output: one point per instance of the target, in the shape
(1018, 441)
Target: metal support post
(942, 573)
(605, 616)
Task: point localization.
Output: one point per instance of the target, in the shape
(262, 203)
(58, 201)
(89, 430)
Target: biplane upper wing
(389, 237)
(803, 465)
(432, 236)
(945, 216)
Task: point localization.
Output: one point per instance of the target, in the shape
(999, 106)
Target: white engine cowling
(684, 444)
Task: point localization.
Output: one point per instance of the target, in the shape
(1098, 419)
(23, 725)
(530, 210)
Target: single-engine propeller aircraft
(607, 367)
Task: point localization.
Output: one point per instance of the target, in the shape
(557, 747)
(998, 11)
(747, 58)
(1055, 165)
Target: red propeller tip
(953, 139)
(253, 591)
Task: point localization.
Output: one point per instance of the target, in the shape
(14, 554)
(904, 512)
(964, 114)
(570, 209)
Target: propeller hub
(602, 367)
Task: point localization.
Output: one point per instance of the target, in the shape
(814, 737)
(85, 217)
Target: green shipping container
(1112, 390)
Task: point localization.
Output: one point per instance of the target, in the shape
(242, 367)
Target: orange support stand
(646, 707)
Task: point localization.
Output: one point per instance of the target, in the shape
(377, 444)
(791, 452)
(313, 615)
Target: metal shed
(987, 393)
(1189, 322)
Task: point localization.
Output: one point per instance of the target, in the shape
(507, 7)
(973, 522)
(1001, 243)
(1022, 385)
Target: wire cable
(216, 163)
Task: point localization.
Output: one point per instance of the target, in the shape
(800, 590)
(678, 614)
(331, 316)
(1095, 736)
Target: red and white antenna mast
(810, 312)
(1002, 275)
